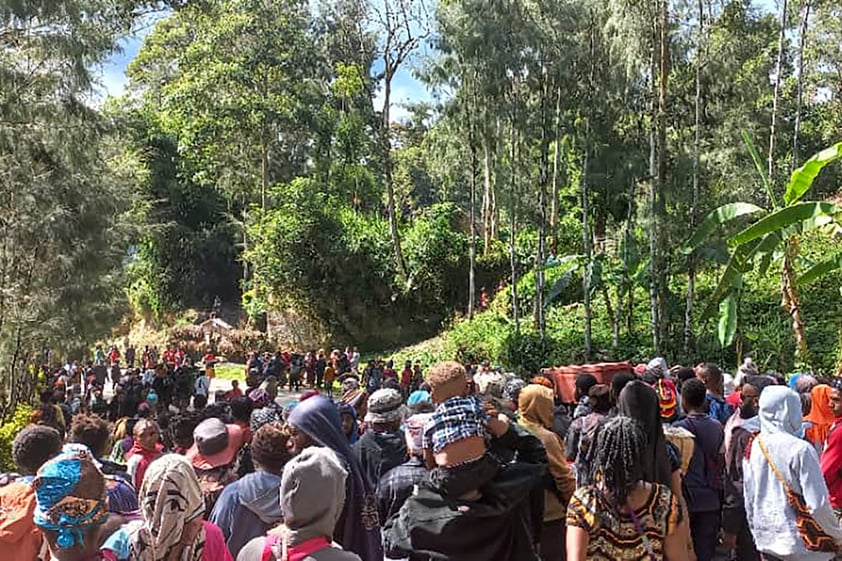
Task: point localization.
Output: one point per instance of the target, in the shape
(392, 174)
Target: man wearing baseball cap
(383, 445)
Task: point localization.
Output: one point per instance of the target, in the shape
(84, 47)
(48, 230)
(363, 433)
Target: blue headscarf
(319, 419)
(417, 397)
(59, 508)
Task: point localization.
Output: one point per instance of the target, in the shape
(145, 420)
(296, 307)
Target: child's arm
(496, 426)
(494, 421)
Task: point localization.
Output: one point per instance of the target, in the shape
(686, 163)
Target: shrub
(8, 431)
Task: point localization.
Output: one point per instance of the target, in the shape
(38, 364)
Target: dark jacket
(378, 452)
(733, 504)
(504, 525)
(396, 486)
(704, 478)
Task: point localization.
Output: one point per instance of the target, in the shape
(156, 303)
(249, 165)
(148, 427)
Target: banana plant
(770, 237)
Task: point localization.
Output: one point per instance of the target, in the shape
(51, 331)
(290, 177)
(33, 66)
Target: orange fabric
(20, 539)
(820, 414)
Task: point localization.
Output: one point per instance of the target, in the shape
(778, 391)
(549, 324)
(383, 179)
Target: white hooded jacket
(770, 516)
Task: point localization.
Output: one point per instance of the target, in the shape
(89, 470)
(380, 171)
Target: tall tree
(697, 149)
(401, 27)
(799, 95)
(779, 80)
(64, 190)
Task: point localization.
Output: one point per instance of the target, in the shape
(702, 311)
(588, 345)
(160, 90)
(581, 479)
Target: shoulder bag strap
(778, 474)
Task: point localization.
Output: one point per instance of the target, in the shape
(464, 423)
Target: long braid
(618, 463)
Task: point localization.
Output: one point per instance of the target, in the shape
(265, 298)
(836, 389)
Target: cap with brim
(385, 406)
(215, 444)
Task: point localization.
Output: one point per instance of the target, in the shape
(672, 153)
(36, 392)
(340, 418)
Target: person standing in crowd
(350, 426)
(214, 450)
(145, 449)
(639, 401)
(313, 494)
(780, 470)
(581, 388)
(93, 433)
(717, 408)
(201, 389)
(831, 459)
(354, 357)
(315, 422)
(130, 355)
(398, 483)
(703, 479)
(20, 540)
(234, 392)
(422, 393)
(249, 507)
(623, 516)
(328, 376)
(583, 431)
(383, 445)
(535, 404)
(406, 378)
(319, 368)
(820, 417)
(740, 429)
(72, 509)
(172, 527)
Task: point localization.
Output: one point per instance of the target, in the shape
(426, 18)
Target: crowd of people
(461, 462)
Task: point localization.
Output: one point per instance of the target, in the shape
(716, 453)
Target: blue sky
(405, 87)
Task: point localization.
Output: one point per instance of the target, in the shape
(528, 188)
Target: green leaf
(727, 321)
(732, 276)
(766, 251)
(821, 268)
(716, 252)
(558, 287)
(802, 178)
(761, 169)
(784, 218)
(716, 218)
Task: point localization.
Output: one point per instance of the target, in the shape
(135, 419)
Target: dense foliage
(577, 154)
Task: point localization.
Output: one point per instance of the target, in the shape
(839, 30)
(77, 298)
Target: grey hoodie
(312, 496)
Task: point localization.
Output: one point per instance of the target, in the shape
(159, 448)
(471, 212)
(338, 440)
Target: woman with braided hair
(622, 516)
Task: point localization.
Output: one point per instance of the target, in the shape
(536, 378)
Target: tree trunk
(653, 203)
(613, 316)
(472, 251)
(791, 301)
(799, 98)
(386, 142)
(513, 225)
(554, 188)
(264, 151)
(694, 207)
(487, 200)
(627, 280)
(777, 95)
(543, 181)
(586, 230)
(663, 77)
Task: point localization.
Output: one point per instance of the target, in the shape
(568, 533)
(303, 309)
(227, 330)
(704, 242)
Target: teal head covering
(71, 497)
